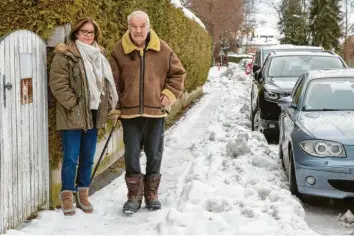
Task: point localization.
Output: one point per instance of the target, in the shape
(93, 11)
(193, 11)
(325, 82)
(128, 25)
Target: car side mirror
(255, 68)
(285, 102)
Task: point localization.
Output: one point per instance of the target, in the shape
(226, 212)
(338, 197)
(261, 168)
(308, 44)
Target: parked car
(249, 67)
(316, 141)
(243, 63)
(263, 52)
(277, 79)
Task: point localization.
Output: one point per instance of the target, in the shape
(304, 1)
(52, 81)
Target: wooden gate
(24, 164)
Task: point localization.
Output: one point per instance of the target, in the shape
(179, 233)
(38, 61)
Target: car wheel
(271, 136)
(292, 176)
(281, 156)
(251, 112)
(256, 120)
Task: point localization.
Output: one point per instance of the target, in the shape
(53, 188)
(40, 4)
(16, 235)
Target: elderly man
(149, 78)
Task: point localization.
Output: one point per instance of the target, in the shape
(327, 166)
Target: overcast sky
(267, 13)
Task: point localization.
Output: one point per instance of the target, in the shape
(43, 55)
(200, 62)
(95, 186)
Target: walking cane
(104, 149)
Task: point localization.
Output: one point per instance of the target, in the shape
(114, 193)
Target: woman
(81, 81)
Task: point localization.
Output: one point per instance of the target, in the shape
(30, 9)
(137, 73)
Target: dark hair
(81, 22)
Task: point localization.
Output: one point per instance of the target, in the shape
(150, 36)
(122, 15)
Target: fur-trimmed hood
(71, 48)
(68, 84)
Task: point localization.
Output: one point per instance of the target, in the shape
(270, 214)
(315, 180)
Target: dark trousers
(149, 132)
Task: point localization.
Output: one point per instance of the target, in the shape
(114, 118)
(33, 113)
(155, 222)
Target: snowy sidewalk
(218, 177)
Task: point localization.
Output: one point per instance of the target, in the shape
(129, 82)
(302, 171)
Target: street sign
(222, 53)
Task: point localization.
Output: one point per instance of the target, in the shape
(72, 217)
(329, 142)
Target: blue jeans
(79, 147)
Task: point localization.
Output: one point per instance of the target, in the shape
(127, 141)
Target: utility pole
(214, 49)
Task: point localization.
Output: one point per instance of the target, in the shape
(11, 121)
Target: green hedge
(190, 41)
(237, 59)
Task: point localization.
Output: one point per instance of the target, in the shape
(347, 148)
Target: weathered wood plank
(2, 151)
(17, 123)
(45, 129)
(21, 140)
(12, 108)
(33, 124)
(38, 125)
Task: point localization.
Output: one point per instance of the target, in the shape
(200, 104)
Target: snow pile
(187, 12)
(347, 217)
(347, 220)
(236, 185)
(218, 177)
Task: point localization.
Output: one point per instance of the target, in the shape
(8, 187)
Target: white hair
(137, 13)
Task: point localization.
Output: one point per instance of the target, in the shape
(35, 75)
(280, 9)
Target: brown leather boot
(135, 184)
(82, 201)
(67, 202)
(151, 188)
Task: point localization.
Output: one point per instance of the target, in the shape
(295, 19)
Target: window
(330, 94)
(297, 90)
(266, 53)
(294, 66)
(257, 59)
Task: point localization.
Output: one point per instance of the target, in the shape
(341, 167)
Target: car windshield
(330, 94)
(294, 66)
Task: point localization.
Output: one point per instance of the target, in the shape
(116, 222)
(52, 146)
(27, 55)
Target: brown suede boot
(135, 184)
(67, 202)
(151, 188)
(82, 201)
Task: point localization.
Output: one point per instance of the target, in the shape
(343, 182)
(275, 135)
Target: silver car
(316, 142)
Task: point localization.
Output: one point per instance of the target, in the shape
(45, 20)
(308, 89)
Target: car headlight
(321, 148)
(271, 95)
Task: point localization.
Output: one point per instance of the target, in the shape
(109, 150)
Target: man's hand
(165, 101)
(113, 115)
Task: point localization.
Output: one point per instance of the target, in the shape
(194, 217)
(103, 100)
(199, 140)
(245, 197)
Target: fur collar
(129, 46)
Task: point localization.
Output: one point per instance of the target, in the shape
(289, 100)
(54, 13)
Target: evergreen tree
(325, 23)
(293, 22)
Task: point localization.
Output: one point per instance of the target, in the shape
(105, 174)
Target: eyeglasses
(88, 33)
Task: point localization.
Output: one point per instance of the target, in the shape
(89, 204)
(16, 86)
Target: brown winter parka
(69, 86)
(142, 76)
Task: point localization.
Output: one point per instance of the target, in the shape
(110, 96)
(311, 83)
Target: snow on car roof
(331, 73)
(290, 46)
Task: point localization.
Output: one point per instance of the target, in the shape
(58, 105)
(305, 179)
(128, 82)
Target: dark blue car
(316, 142)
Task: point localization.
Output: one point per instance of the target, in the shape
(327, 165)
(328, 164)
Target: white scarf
(97, 68)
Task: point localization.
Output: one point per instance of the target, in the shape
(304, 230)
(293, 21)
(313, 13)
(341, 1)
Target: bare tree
(222, 18)
(275, 4)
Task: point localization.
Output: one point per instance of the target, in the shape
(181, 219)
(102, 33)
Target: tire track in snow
(181, 140)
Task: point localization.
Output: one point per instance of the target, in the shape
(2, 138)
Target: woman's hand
(114, 115)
